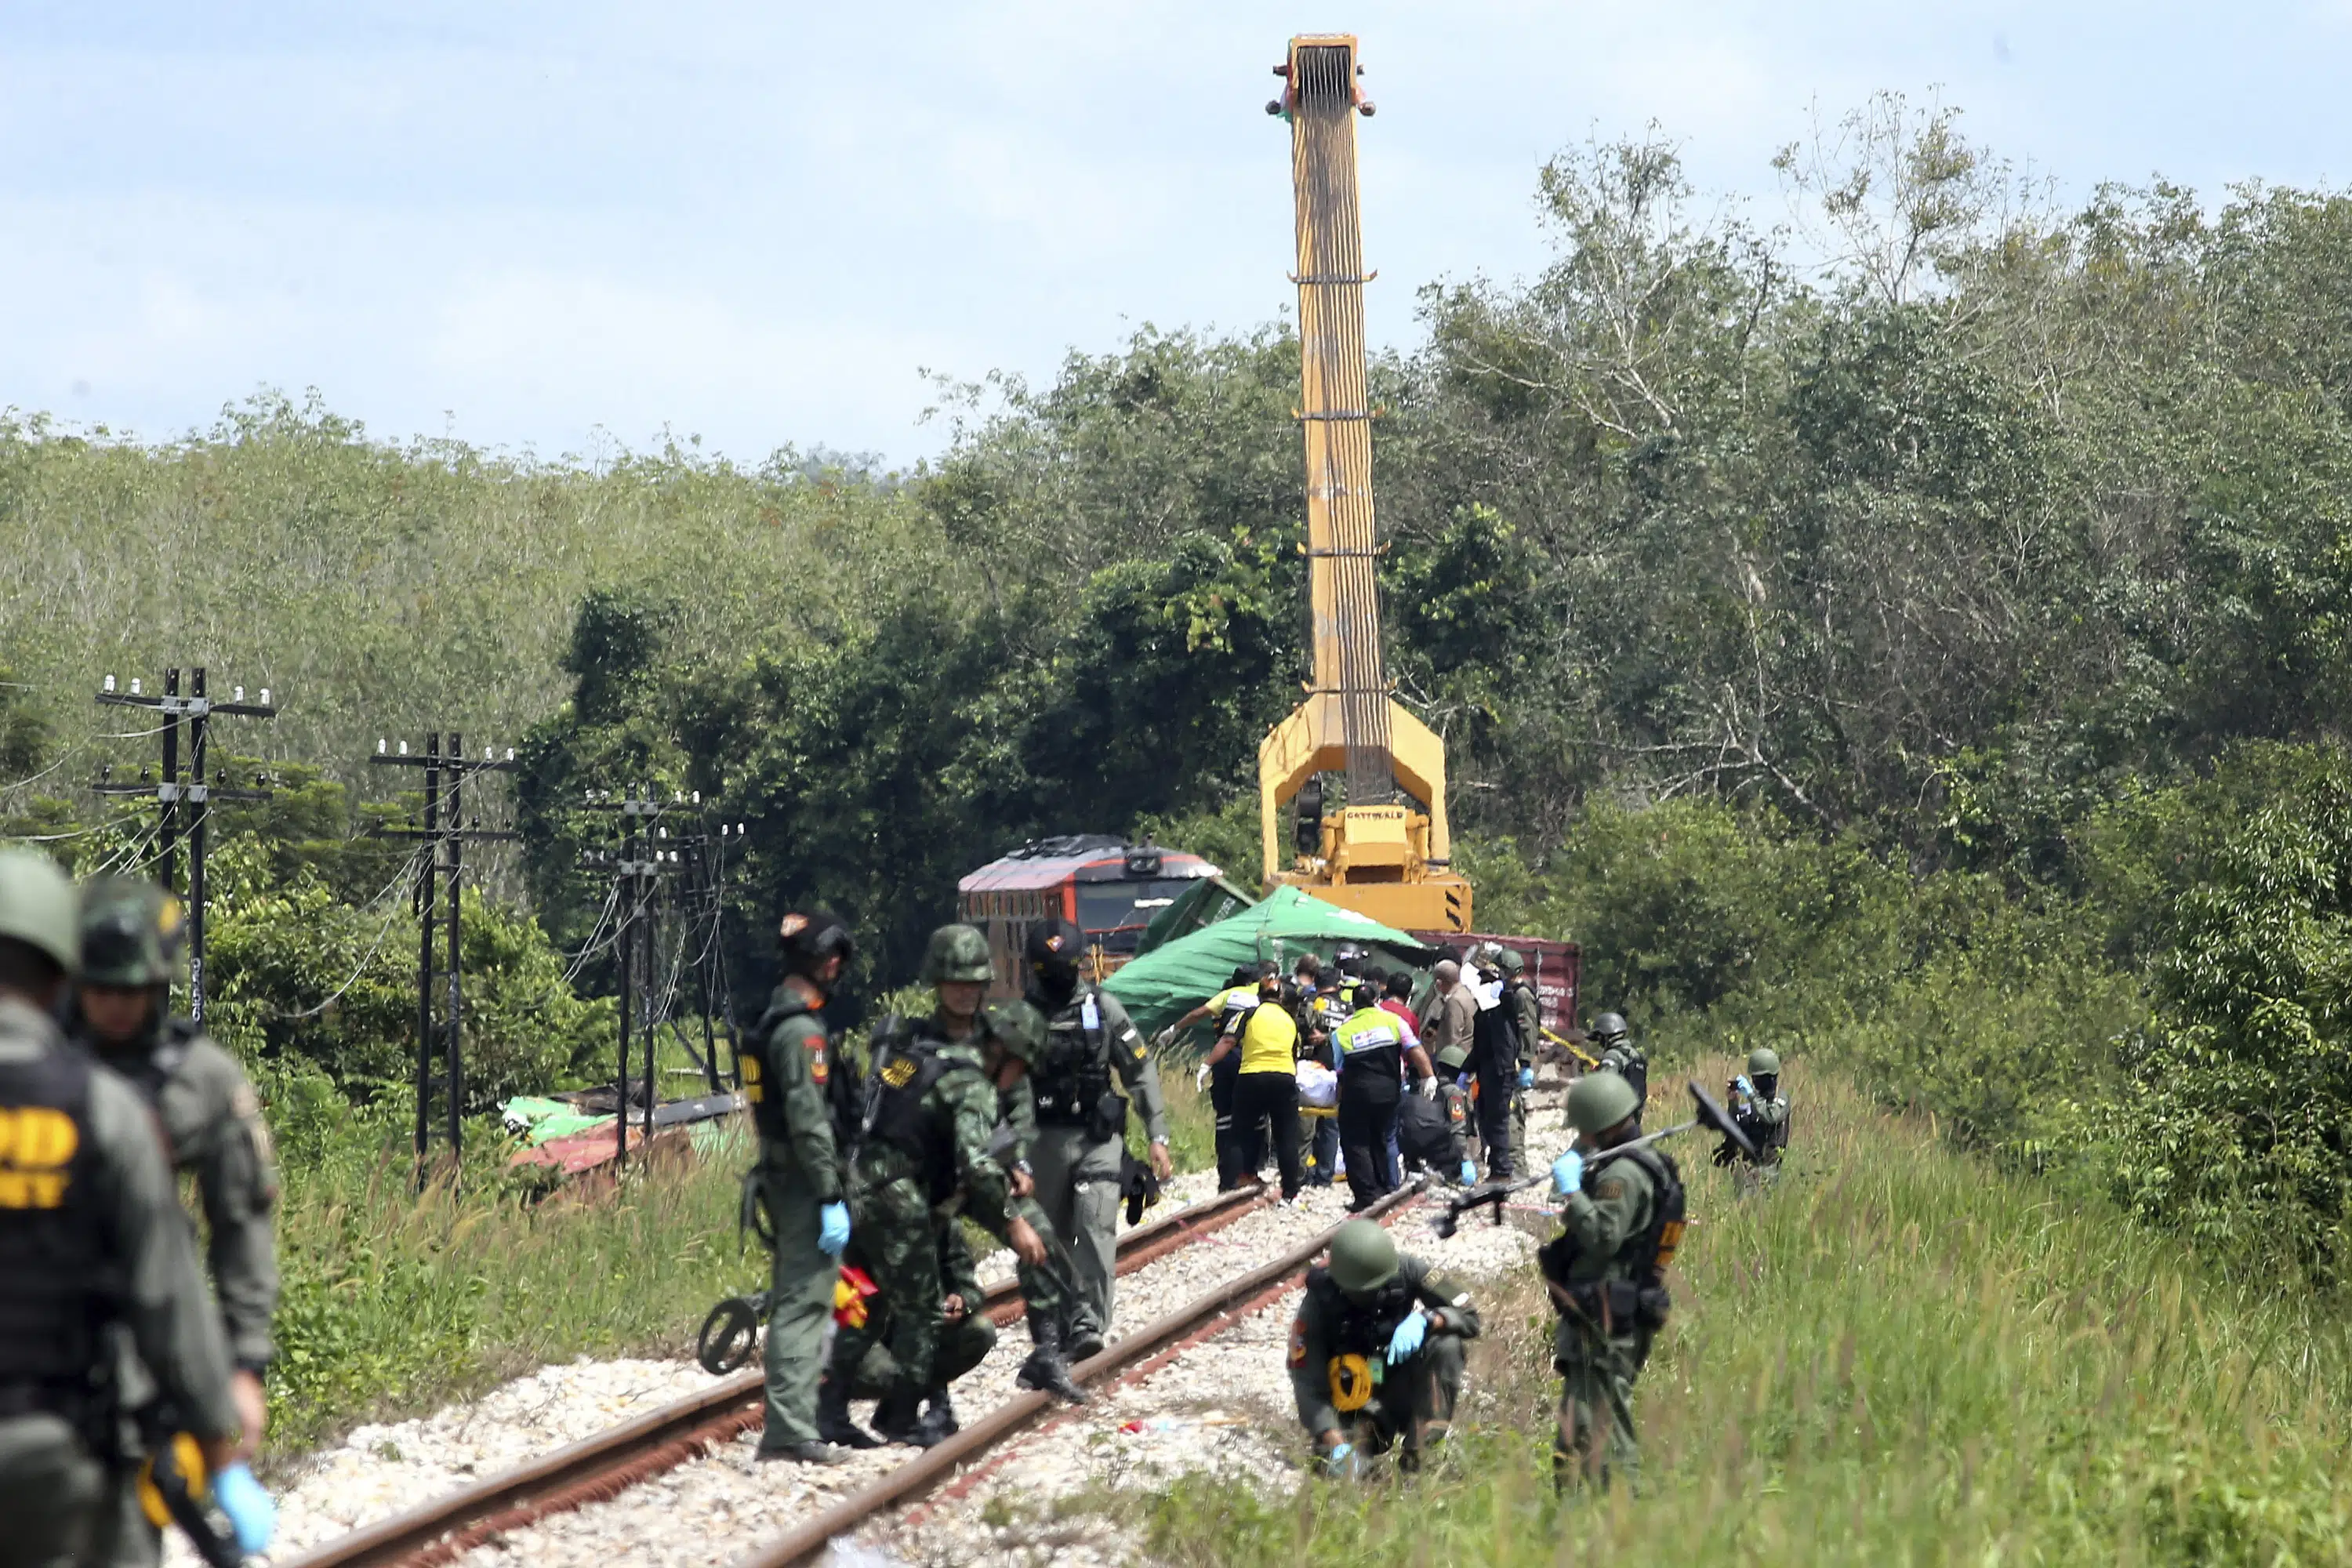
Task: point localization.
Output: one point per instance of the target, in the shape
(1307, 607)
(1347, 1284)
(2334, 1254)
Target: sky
(567, 225)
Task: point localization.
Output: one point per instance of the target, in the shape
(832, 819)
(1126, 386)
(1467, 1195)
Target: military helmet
(1512, 963)
(1599, 1101)
(1053, 945)
(39, 906)
(132, 933)
(956, 952)
(1363, 1256)
(1019, 1028)
(1608, 1028)
(1347, 956)
(809, 935)
(1763, 1062)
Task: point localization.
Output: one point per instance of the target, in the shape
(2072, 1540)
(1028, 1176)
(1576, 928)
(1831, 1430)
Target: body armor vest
(902, 1075)
(57, 1285)
(760, 1080)
(1360, 1330)
(1640, 1301)
(1074, 1078)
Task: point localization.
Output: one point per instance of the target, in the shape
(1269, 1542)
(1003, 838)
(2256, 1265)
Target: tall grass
(1895, 1357)
(397, 1301)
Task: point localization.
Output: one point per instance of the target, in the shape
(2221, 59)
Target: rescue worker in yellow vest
(1266, 1093)
(93, 1245)
(1376, 1352)
(788, 1079)
(132, 933)
(1240, 995)
(1375, 1046)
(1605, 1272)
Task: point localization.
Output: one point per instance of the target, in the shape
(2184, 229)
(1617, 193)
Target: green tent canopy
(1169, 982)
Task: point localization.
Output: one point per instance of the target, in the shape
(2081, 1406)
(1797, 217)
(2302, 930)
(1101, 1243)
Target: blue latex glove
(1746, 1087)
(1405, 1343)
(1339, 1460)
(1568, 1173)
(1527, 1077)
(1469, 1172)
(248, 1508)
(832, 1228)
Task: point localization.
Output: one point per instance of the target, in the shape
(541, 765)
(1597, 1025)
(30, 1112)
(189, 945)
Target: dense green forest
(1914, 635)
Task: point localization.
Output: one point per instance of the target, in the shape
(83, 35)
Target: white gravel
(1223, 1406)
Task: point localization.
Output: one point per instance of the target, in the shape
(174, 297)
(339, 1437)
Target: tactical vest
(1072, 1079)
(758, 1073)
(1641, 1301)
(1360, 1330)
(57, 1285)
(902, 1075)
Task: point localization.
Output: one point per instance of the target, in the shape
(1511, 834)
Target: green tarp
(1205, 903)
(1169, 982)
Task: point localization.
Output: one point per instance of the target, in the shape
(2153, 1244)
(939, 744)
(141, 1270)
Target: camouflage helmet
(39, 906)
(1763, 1062)
(132, 933)
(1599, 1101)
(1019, 1028)
(1512, 963)
(1608, 1028)
(957, 952)
(1363, 1256)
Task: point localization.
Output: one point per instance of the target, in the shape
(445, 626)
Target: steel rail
(443, 1527)
(935, 1465)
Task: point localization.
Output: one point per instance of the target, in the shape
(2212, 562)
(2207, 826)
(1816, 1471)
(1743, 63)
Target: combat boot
(832, 1419)
(939, 1417)
(898, 1422)
(1084, 1339)
(1045, 1369)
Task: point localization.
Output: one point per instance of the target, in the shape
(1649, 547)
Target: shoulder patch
(1299, 1341)
(1610, 1187)
(820, 1059)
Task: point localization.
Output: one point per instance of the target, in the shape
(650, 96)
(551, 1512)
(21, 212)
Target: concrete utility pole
(444, 830)
(198, 792)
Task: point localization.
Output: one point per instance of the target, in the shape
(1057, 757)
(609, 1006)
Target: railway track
(604, 1465)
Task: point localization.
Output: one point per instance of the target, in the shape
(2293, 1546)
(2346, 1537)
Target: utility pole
(445, 831)
(197, 710)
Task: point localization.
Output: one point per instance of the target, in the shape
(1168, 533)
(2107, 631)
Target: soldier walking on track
(132, 933)
(787, 1077)
(1081, 1122)
(1526, 1018)
(92, 1244)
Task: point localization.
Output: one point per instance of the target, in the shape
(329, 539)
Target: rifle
(1710, 1115)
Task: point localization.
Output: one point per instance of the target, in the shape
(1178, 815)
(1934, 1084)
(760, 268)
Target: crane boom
(1385, 852)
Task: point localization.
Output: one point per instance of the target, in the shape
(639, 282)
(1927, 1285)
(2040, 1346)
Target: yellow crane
(1384, 850)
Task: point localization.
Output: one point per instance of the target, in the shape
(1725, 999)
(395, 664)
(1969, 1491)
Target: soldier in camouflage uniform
(1618, 1232)
(1761, 1111)
(923, 1156)
(133, 936)
(787, 1077)
(1090, 1040)
(967, 1334)
(93, 1245)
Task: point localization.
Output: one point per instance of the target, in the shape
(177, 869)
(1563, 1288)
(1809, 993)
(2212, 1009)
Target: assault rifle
(1709, 1114)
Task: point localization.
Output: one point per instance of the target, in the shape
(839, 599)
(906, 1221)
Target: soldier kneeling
(1376, 1350)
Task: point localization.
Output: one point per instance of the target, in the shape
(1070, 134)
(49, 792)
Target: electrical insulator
(265, 697)
(110, 683)
(240, 695)
(134, 686)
